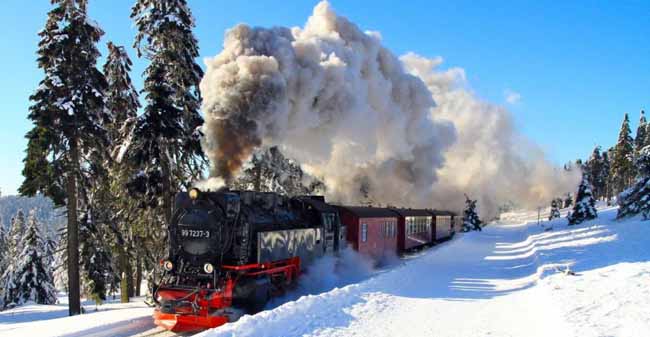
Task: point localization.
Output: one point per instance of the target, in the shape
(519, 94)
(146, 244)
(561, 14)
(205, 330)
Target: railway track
(160, 332)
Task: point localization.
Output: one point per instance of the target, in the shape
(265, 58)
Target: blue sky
(577, 66)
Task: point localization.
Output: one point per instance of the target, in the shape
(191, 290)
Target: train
(230, 251)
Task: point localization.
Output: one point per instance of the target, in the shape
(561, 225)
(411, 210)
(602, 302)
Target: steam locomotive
(230, 251)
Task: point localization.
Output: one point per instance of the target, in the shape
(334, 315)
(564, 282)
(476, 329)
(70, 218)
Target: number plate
(195, 233)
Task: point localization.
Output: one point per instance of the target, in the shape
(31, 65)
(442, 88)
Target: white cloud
(512, 97)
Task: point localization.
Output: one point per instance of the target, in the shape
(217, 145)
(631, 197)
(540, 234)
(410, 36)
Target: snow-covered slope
(509, 280)
(111, 320)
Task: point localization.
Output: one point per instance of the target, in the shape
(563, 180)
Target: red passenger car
(443, 224)
(371, 231)
(414, 228)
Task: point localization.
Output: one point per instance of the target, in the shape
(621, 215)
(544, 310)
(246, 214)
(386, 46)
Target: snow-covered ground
(509, 280)
(111, 319)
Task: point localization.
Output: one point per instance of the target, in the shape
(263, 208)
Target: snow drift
(333, 98)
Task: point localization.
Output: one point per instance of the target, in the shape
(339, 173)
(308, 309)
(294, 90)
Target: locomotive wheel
(252, 295)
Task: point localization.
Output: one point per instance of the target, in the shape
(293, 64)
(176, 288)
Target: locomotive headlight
(168, 265)
(208, 268)
(194, 193)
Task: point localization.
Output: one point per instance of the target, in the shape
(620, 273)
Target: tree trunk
(129, 277)
(124, 285)
(167, 191)
(138, 276)
(74, 305)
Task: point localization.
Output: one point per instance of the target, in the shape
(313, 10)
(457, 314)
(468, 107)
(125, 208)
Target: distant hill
(45, 211)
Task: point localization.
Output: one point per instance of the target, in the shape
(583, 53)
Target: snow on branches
(585, 205)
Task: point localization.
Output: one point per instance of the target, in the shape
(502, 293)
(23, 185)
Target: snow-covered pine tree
(555, 209)
(598, 173)
(96, 259)
(14, 247)
(67, 112)
(123, 104)
(640, 137)
(16, 231)
(166, 139)
(585, 205)
(3, 240)
(33, 274)
(121, 96)
(4, 252)
(471, 220)
(636, 199)
(622, 168)
(270, 171)
(607, 192)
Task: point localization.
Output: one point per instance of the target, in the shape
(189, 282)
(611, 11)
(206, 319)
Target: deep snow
(111, 319)
(509, 280)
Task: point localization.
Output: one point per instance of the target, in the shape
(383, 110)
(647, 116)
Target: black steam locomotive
(229, 251)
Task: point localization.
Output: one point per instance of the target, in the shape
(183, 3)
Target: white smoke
(490, 161)
(329, 272)
(333, 98)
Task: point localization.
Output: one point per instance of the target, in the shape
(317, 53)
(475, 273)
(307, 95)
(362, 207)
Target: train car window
(364, 232)
(329, 220)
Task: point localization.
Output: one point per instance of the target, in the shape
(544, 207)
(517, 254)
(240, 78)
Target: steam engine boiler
(230, 251)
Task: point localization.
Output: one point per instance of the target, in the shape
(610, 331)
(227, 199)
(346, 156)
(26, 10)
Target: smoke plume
(490, 160)
(333, 98)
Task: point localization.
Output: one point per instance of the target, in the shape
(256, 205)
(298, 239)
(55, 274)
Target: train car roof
(318, 202)
(440, 212)
(411, 212)
(370, 212)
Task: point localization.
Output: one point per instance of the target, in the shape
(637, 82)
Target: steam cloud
(333, 98)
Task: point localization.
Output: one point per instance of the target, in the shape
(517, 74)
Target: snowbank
(111, 319)
(513, 279)
(516, 278)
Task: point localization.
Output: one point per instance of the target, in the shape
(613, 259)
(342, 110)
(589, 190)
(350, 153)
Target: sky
(568, 71)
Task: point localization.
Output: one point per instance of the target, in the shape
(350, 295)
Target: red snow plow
(244, 289)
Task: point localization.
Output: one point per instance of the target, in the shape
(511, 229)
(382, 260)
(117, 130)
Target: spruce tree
(165, 143)
(636, 199)
(597, 171)
(622, 168)
(123, 104)
(555, 209)
(640, 138)
(121, 96)
(67, 113)
(33, 274)
(585, 205)
(607, 178)
(14, 248)
(96, 259)
(3, 245)
(4, 256)
(270, 171)
(471, 220)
